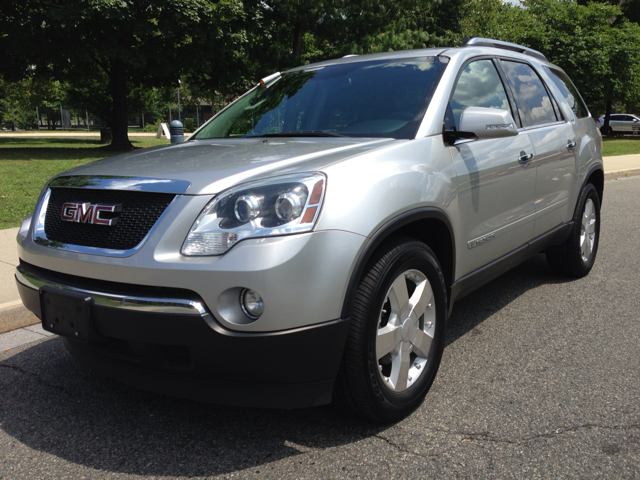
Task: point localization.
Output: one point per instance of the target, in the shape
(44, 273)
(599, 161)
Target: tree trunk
(119, 124)
(298, 32)
(607, 115)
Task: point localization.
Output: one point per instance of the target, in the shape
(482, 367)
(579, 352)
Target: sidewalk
(21, 324)
(621, 166)
(12, 314)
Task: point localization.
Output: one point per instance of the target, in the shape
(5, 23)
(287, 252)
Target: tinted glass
(479, 85)
(534, 104)
(359, 99)
(569, 92)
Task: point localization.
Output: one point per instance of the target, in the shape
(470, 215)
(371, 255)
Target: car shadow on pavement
(472, 310)
(53, 404)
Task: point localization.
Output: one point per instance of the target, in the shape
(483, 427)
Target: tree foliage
(119, 56)
(19, 99)
(294, 31)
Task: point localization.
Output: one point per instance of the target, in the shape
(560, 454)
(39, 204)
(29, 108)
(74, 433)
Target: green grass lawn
(27, 163)
(620, 146)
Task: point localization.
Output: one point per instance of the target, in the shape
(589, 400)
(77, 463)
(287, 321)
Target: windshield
(360, 99)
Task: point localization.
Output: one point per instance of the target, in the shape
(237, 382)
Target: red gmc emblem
(88, 213)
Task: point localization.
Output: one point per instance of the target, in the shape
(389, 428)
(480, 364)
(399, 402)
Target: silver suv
(619, 123)
(308, 243)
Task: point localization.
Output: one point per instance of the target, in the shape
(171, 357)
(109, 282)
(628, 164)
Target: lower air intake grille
(140, 211)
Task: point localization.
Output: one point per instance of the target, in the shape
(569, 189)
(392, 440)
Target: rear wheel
(580, 249)
(396, 335)
(606, 130)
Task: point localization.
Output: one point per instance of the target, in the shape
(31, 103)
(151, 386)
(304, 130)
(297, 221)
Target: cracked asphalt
(540, 379)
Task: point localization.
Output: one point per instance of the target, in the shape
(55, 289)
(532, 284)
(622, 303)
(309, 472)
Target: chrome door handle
(570, 145)
(525, 157)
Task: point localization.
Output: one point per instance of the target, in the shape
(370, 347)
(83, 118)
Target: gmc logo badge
(88, 213)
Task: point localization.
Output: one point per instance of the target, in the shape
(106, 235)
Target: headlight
(274, 206)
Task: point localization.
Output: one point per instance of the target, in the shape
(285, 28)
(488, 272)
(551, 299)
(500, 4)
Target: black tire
(575, 259)
(362, 385)
(606, 130)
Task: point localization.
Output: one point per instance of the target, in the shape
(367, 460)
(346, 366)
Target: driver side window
(479, 85)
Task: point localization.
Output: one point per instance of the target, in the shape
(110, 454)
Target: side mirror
(488, 122)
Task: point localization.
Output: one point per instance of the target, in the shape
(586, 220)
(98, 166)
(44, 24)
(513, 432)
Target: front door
(495, 191)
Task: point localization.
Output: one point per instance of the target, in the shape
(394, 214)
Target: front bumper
(165, 340)
(302, 278)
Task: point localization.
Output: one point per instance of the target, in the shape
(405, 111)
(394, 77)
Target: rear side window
(532, 99)
(569, 92)
(479, 85)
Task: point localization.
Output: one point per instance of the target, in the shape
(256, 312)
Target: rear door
(627, 124)
(495, 191)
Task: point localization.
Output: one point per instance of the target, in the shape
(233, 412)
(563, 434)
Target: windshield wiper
(299, 133)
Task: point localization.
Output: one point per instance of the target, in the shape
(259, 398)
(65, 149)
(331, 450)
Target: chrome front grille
(139, 213)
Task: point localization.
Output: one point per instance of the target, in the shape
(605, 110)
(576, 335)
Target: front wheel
(580, 249)
(396, 335)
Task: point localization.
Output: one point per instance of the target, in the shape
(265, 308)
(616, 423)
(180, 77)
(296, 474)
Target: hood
(211, 166)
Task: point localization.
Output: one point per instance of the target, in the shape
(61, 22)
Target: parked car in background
(621, 123)
(307, 244)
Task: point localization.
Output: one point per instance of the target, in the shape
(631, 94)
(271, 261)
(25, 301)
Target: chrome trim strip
(542, 125)
(124, 302)
(40, 237)
(113, 182)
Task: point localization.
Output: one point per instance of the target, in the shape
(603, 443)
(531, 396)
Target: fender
(592, 169)
(382, 234)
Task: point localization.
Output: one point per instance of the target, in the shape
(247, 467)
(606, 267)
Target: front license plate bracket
(67, 314)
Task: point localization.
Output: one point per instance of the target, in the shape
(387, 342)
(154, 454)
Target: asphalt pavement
(540, 379)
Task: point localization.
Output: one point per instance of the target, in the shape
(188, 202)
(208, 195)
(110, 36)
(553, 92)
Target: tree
(19, 101)
(111, 46)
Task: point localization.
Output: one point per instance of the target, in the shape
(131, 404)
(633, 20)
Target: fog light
(252, 303)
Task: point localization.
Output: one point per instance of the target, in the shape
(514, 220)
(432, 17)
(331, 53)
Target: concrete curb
(623, 173)
(16, 316)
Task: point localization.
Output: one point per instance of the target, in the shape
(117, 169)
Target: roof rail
(514, 47)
